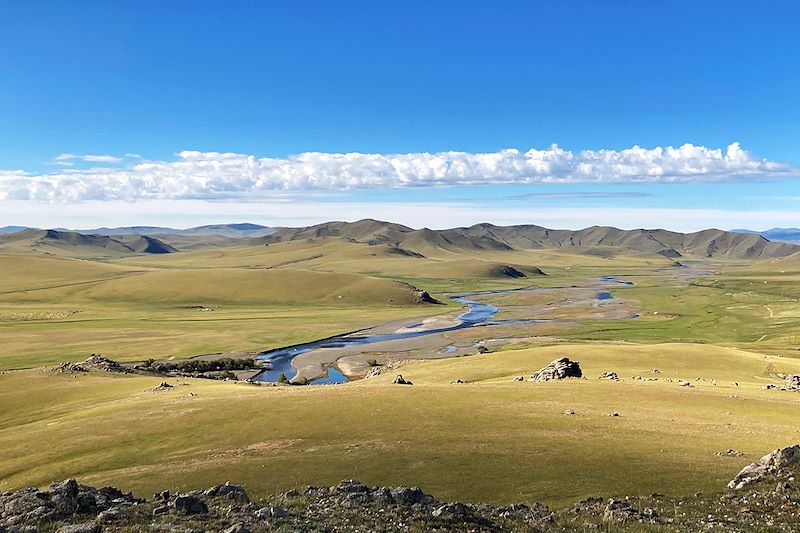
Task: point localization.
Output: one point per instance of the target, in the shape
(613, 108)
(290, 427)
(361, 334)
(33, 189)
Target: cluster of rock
(26, 508)
(93, 362)
(561, 368)
(347, 506)
(791, 383)
(609, 375)
(770, 503)
(770, 464)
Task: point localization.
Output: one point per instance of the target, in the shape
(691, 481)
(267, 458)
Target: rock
(27, 505)
(619, 511)
(232, 492)
(409, 496)
(161, 509)
(109, 516)
(770, 464)
(83, 527)
(189, 504)
(64, 496)
(272, 512)
(609, 375)
(350, 485)
(69, 368)
(682, 383)
(98, 362)
(793, 381)
(519, 378)
(457, 381)
(454, 512)
(237, 528)
(613, 414)
(163, 386)
(559, 369)
(569, 412)
(399, 380)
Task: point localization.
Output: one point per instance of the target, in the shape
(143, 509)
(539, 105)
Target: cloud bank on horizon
(216, 175)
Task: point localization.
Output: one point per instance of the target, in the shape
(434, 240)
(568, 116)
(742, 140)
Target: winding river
(281, 358)
(279, 361)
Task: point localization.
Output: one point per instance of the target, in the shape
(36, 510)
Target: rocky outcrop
(770, 464)
(74, 508)
(609, 375)
(559, 369)
(400, 380)
(768, 504)
(59, 502)
(93, 362)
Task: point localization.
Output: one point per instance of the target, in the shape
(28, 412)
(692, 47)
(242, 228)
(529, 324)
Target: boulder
(561, 368)
(454, 512)
(793, 381)
(189, 504)
(400, 380)
(770, 464)
(409, 496)
(609, 375)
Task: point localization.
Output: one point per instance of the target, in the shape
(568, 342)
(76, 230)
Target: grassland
(491, 439)
(488, 440)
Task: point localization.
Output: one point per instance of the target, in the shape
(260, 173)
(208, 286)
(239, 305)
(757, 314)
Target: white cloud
(210, 175)
(66, 159)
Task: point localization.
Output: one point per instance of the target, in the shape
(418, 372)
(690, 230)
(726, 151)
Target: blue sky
(117, 113)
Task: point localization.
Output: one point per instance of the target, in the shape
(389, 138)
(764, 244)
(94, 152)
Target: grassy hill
(73, 244)
(512, 436)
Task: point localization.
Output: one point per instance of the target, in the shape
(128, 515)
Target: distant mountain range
(776, 234)
(706, 243)
(53, 241)
(711, 243)
(228, 230)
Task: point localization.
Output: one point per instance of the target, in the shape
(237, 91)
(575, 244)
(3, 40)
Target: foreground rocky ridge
(763, 497)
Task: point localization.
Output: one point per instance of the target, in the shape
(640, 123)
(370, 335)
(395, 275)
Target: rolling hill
(702, 244)
(73, 244)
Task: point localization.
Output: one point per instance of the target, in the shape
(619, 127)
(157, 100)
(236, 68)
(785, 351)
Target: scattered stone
(793, 381)
(682, 383)
(569, 412)
(614, 414)
(769, 464)
(163, 386)
(730, 453)
(559, 369)
(519, 378)
(609, 375)
(654, 371)
(457, 381)
(400, 380)
(619, 511)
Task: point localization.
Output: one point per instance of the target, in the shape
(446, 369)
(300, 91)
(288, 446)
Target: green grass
(492, 440)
